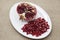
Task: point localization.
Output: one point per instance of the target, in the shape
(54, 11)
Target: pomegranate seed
(36, 27)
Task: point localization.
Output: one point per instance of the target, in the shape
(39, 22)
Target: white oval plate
(18, 24)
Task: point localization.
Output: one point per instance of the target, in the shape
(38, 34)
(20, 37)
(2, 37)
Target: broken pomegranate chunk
(28, 9)
(36, 27)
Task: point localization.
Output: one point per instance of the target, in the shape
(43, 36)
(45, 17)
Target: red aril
(36, 27)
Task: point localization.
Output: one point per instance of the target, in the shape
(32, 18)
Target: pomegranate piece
(36, 27)
(27, 9)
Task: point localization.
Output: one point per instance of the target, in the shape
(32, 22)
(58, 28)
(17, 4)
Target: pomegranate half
(26, 11)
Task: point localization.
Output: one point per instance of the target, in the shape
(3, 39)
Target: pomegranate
(36, 27)
(26, 11)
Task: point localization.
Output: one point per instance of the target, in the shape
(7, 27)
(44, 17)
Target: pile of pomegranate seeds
(27, 9)
(36, 27)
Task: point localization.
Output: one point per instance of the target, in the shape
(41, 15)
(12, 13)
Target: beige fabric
(7, 32)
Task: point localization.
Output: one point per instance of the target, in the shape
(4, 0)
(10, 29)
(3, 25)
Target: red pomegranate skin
(36, 27)
(29, 10)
